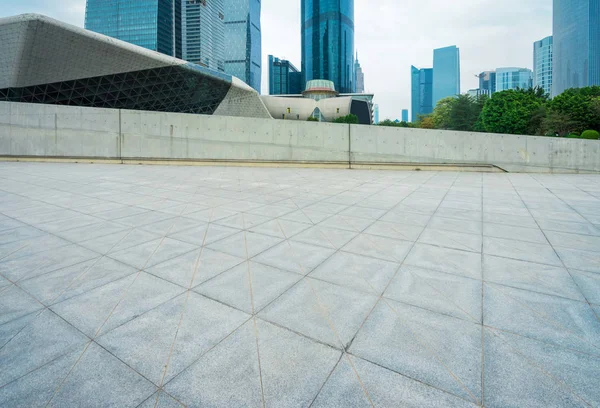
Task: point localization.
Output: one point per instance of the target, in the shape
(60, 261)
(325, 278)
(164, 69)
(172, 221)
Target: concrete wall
(28, 130)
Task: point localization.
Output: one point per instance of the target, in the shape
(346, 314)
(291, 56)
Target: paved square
(158, 286)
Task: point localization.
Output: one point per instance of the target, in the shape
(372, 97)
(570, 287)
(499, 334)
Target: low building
(321, 101)
(513, 78)
(284, 77)
(49, 62)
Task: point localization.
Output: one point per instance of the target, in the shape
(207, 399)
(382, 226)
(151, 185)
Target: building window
(289, 110)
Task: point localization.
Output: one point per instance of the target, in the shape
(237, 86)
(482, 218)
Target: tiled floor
(224, 287)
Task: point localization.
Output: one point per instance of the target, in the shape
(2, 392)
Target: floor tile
(325, 312)
(102, 309)
(88, 232)
(581, 260)
(19, 234)
(243, 221)
(245, 244)
(451, 239)
(204, 234)
(511, 232)
(439, 292)
(570, 227)
(452, 224)
(99, 376)
(446, 260)
(362, 273)
(523, 251)
(403, 217)
(119, 241)
(148, 343)
(354, 224)
(325, 236)
(574, 241)
(161, 399)
(152, 253)
(295, 256)
(392, 230)
(508, 219)
(379, 247)
(552, 280)
(589, 285)
(562, 322)
(280, 228)
(15, 303)
(405, 339)
(172, 226)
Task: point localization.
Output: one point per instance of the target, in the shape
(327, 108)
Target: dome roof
(320, 85)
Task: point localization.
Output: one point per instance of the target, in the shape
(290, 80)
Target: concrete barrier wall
(31, 130)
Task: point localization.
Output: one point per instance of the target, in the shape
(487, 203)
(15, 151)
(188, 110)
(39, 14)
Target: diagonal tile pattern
(214, 286)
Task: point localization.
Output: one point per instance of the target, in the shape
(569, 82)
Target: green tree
(426, 122)
(391, 123)
(557, 124)
(581, 105)
(511, 111)
(351, 119)
(465, 113)
(442, 111)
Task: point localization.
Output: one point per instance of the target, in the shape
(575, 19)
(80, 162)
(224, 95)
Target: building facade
(376, 114)
(446, 73)
(284, 77)
(328, 42)
(152, 24)
(513, 78)
(359, 76)
(576, 48)
(243, 41)
(542, 64)
(487, 82)
(203, 34)
(421, 92)
(404, 115)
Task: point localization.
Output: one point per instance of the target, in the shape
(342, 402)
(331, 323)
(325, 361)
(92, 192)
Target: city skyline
(496, 38)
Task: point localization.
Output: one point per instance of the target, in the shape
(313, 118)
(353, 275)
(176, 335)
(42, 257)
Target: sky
(390, 36)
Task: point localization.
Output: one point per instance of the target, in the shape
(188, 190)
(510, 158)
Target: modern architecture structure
(404, 115)
(359, 76)
(446, 73)
(328, 42)
(320, 100)
(421, 92)
(476, 93)
(243, 47)
(284, 77)
(152, 24)
(83, 68)
(203, 34)
(542, 64)
(487, 82)
(376, 114)
(576, 48)
(513, 78)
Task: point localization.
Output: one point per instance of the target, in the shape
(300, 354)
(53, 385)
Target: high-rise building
(542, 64)
(513, 78)
(284, 77)
(203, 28)
(359, 79)
(243, 51)
(446, 73)
(328, 42)
(421, 92)
(576, 54)
(487, 82)
(152, 24)
(376, 114)
(404, 115)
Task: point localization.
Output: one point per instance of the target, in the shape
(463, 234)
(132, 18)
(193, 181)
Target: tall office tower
(376, 114)
(576, 54)
(359, 78)
(542, 64)
(204, 33)
(446, 73)
(513, 78)
(404, 115)
(243, 47)
(328, 42)
(284, 77)
(421, 92)
(487, 83)
(152, 24)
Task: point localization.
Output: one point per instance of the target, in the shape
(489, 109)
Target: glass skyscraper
(542, 64)
(152, 24)
(284, 77)
(204, 33)
(328, 42)
(243, 49)
(576, 60)
(421, 92)
(404, 115)
(446, 73)
(513, 78)
(359, 77)
(487, 83)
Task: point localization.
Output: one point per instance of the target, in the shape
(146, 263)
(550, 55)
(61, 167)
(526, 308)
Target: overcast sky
(390, 36)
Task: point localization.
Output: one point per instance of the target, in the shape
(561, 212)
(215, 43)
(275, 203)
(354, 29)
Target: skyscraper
(204, 33)
(576, 58)
(359, 79)
(152, 24)
(376, 114)
(487, 83)
(284, 77)
(422, 92)
(404, 115)
(446, 73)
(243, 50)
(542, 64)
(513, 78)
(328, 42)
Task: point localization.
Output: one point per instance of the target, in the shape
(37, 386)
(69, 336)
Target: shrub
(351, 119)
(590, 134)
(312, 119)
